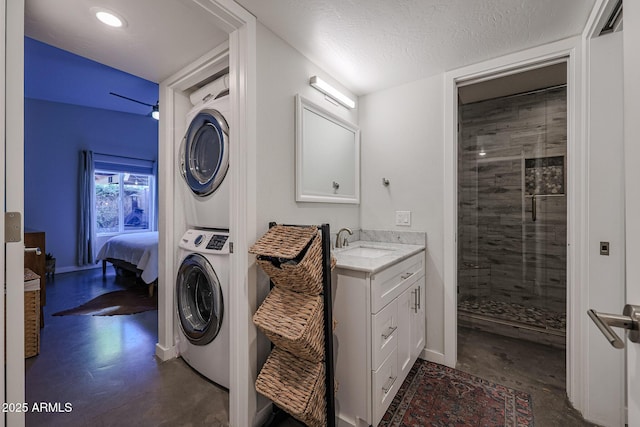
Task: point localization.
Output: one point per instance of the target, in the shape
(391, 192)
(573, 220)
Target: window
(124, 201)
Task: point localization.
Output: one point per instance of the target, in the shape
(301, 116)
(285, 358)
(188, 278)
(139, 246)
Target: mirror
(327, 156)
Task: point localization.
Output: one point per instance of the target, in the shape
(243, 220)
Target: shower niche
(512, 216)
(544, 176)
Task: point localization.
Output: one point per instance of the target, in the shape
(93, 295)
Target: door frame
(12, 94)
(571, 51)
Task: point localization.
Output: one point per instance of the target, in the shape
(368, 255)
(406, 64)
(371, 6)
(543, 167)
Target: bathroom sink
(367, 251)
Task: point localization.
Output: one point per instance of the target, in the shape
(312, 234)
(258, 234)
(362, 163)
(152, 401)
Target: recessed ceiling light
(109, 18)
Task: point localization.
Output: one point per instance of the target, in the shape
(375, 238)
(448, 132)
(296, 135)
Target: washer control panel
(217, 241)
(206, 241)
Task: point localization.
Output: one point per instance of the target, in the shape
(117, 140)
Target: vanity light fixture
(331, 92)
(109, 18)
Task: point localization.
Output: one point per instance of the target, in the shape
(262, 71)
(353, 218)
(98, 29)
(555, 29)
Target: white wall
(282, 73)
(605, 364)
(402, 140)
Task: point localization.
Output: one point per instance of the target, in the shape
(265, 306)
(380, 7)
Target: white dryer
(204, 164)
(202, 287)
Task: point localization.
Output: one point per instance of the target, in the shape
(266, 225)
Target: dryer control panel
(206, 241)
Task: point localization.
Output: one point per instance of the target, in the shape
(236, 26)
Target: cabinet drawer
(385, 383)
(389, 283)
(384, 328)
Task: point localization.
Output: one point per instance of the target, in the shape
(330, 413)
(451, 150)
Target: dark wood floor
(105, 367)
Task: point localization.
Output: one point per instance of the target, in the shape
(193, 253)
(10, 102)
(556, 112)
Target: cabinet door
(418, 322)
(406, 305)
(385, 383)
(384, 331)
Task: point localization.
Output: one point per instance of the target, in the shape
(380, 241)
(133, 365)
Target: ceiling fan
(155, 109)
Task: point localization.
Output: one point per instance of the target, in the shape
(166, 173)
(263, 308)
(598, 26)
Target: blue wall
(55, 133)
(68, 108)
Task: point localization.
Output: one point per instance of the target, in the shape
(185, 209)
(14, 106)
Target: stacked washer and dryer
(202, 282)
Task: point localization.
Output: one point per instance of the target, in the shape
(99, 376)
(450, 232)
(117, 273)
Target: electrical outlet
(403, 218)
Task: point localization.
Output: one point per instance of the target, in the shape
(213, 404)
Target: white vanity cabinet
(380, 334)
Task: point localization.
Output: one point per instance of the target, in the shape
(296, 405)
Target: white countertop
(397, 253)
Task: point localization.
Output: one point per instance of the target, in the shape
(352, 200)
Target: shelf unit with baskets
(296, 316)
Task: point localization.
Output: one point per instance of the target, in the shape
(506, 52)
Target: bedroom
(64, 115)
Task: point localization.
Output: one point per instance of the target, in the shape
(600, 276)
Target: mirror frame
(302, 194)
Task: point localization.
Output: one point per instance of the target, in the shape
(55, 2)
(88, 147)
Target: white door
(631, 40)
(12, 187)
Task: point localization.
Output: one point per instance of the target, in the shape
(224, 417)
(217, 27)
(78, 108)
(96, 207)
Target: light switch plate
(403, 218)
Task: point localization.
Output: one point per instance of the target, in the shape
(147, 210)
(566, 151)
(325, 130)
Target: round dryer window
(204, 154)
(199, 300)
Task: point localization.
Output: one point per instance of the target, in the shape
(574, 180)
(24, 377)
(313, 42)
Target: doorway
(512, 206)
(512, 233)
(94, 335)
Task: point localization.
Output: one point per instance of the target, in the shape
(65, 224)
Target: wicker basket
(31, 323)
(304, 276)
(293, 322)
(282, 241)
(296, 385)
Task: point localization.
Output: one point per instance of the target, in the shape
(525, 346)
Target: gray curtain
(86, 231)
(155, 200)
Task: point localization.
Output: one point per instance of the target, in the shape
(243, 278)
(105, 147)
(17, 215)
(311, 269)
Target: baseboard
(166, 353)
(263, 415)
(432, 356)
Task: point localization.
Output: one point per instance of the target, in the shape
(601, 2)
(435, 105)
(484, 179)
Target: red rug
(435, 395)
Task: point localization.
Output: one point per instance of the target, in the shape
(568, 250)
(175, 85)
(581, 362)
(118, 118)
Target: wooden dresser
(33, 239)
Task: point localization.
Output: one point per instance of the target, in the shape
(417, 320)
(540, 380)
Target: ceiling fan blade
(133, 100)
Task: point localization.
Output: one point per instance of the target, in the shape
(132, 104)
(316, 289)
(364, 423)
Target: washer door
(199, 300)
(204, 153)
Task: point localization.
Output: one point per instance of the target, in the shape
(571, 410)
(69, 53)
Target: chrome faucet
(344, 242)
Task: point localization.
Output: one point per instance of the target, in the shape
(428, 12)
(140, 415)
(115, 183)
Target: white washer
(202, 287)
(204, 164)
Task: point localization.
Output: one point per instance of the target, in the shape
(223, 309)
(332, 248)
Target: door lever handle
(630, 320)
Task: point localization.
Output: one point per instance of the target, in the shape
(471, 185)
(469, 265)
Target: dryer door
(199, 300)
(204, 153)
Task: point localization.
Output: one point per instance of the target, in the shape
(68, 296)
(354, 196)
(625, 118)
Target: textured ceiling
(369, 45)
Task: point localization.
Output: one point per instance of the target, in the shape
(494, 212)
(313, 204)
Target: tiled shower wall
(503, 254)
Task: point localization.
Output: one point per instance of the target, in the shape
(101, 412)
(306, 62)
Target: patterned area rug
(435, 395)
(128, 301)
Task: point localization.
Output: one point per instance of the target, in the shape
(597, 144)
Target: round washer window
(205, 152)
(199, 300)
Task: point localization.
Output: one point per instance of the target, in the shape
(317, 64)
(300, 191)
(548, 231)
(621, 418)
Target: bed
(135, 252)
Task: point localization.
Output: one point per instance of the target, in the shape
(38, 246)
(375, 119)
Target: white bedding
(139, 249)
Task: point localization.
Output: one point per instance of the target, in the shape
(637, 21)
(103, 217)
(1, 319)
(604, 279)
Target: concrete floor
(106, 368)
(533, 368)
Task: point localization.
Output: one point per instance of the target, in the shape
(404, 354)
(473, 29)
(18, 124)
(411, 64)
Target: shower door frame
(570, 51)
